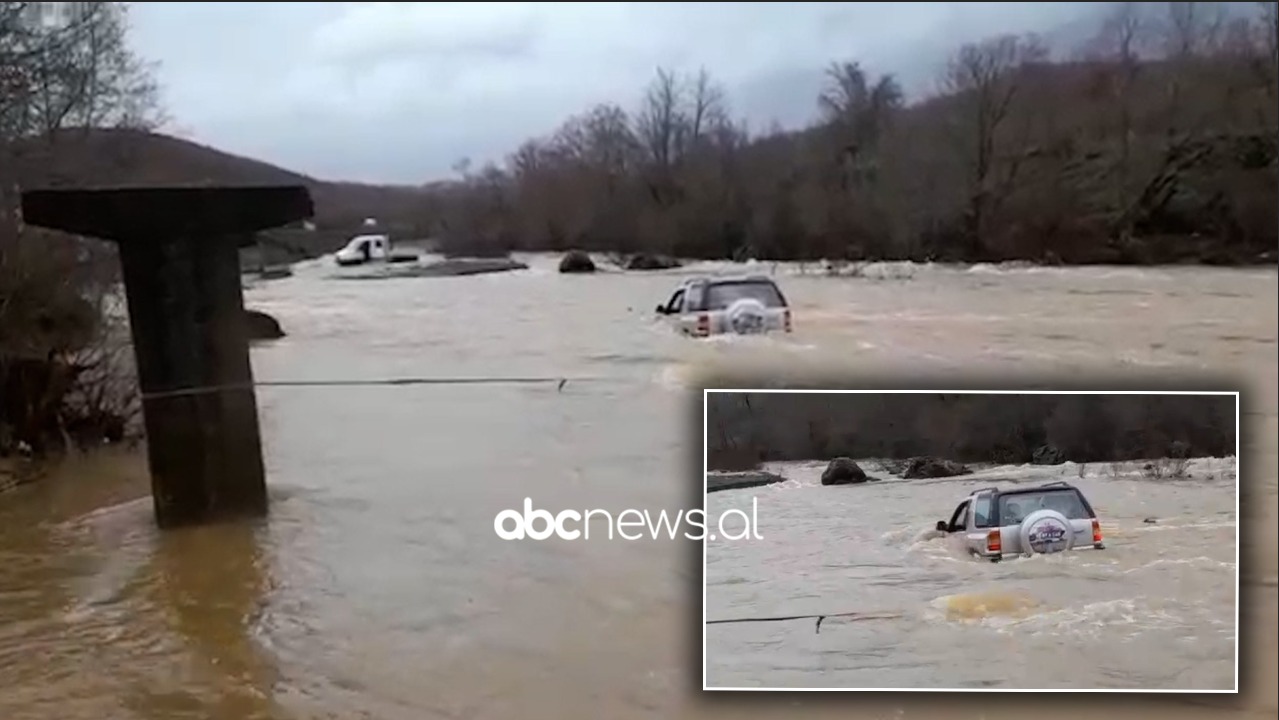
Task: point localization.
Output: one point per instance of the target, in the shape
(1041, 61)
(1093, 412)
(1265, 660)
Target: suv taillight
(786, 319)
(703, 324)
(1096, 532)
(994, 543)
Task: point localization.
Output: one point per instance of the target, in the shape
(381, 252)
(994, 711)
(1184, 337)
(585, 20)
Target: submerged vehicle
(371, 248)
(1052, 518)
(741, 305)
(362, 249)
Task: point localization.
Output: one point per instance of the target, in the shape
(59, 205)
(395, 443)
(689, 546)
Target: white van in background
(363, 249)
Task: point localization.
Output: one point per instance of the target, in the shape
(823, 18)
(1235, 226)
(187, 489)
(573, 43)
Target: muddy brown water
(378, 588)
(1154, 610)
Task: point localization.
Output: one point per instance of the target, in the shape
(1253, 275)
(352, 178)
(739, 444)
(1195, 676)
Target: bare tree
(1191, 31)
(1123, 34)
(1017, 158)
(1268, 33)
(62, 75)
(78, 72)
(707, 111)
(677, 115)
(1192, 28)
(658, 122)
(984, 78)
(857, 112)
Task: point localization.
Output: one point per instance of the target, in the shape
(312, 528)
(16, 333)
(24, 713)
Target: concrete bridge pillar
(179, 252)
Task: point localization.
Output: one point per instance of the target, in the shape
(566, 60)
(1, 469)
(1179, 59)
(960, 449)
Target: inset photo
(972, 541)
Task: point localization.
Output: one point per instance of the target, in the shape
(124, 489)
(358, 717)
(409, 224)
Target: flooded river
(1155, 610)
(378, 589)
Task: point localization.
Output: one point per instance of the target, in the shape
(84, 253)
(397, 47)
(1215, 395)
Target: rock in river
(276, 272)
(1047, 455)
(931, 467)
(262, 326)
(459, 267)
(651, 262)
(577, 261)
(452, 267)
(738, 480)
(843, 471)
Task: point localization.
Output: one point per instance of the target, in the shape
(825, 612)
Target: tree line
(1155, 142)
(744, 429)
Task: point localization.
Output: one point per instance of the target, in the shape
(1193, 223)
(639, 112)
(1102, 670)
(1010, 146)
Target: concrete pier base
(179, 252)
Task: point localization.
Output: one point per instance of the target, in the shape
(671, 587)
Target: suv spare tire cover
(747, 316)
(1046, 532)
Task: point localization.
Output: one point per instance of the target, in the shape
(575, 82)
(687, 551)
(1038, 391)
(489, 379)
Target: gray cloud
(397, 92)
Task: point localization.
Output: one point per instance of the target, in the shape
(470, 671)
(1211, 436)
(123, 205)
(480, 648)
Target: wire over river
(559, 382)
(818, 627)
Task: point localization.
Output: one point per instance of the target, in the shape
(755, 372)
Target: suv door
(675, 305)
(959, 519)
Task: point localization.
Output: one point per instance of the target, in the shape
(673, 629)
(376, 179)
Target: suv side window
(695, 300)
(959, 521)
(675, 304)
(981, 511)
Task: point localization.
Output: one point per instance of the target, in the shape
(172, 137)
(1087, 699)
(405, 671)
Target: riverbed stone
(644, 261)
(843, 471)
(262, 326)
(576, 261)
(276, 272)
(1047, 455)
(931, 467)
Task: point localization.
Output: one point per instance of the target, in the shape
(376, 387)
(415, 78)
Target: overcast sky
(398, 92)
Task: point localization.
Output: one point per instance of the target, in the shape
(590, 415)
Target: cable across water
(818, 628)
(559, 382)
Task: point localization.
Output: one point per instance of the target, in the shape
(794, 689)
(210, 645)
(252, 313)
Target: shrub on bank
(65, 370)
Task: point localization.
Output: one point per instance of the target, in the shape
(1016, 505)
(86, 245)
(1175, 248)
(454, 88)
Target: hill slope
(1151, 160)
(129, 157)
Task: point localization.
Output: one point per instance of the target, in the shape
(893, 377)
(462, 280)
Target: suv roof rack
(1041, 486)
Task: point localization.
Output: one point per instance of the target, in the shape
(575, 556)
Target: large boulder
(644, 261)
(843, 471)
(262, 326)
(930, 467)
(577, 261)
(1047, 455)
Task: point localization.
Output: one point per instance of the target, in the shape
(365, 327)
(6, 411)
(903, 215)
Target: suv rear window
(718, 296)
(1014, 507)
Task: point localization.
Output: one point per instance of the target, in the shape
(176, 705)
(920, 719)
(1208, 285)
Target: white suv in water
(1052, 518)
(747, 305)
